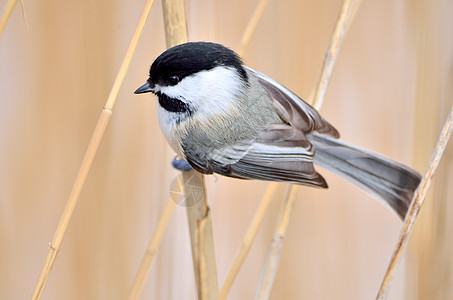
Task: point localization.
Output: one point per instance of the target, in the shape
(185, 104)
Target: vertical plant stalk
(142, 274)
(428, 253)
(355, 8)
(151, 251)
(175, 22)
(265, 202)
(6, 14)
(88, 158)
(332, 53)
(271, 264)
(248, 239)
(199, 216)
(416, 204)
(274, 252)
(71, 203)
(201, 235)
(251, 27)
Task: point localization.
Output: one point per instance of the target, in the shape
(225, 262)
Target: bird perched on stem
(226, 118)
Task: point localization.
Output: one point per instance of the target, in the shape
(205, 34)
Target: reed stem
(147, 260)
(416, 204)
(336, 40)
(248, 239)
(151, 251)
(271, 264)
(71, 203)
(198, 213)
(251, 27)
(6, 14)
(201, 236)
(274, 252)
(88, 159)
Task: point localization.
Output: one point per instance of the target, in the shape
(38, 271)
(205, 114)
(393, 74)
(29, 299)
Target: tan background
(391, 91)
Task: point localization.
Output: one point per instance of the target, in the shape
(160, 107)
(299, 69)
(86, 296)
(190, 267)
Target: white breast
(168, 126)
(208, 93)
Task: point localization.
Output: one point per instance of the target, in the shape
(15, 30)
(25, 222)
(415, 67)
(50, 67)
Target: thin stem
(274, 252)
(251, 27)
(88, 159)
(355, 8)
(6, 14)
(332, 53)
(201, 235)
(248, 239)
(257, 220)
(128, 57)
(71, 203)
(175, 22)
(198, 213)
(264, 205)
(151, 251)
(416, 204)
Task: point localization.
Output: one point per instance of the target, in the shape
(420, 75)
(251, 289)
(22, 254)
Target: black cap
(186, 59)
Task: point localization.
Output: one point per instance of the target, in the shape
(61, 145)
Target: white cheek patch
(208, 92)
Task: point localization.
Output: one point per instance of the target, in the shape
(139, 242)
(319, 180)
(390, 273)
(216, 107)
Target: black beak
(146, 88)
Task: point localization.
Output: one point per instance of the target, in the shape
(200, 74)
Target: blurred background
(391, 91)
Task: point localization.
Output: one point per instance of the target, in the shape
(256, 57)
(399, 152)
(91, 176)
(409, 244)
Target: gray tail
(391, 182)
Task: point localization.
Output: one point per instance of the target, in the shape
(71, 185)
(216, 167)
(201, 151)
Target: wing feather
(293, 109)
(281, 152)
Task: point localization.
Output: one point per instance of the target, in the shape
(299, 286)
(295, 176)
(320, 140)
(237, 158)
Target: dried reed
(6, 14)
(273, 255)
(88, 158)
(251, 27)
(416, 204)
(199, 216)
(201, 236)
(248, 239)
(153, 246)
(348, 9)
(251, 234)
(274, 252)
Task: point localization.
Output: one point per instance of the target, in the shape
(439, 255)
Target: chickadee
(226, 118)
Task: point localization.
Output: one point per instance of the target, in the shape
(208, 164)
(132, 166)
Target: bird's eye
(173, 80)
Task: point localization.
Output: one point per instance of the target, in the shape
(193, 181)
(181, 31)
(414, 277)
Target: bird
(224, 117)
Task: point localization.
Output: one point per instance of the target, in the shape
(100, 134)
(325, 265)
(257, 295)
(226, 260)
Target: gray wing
(281, 152)
(293, 109)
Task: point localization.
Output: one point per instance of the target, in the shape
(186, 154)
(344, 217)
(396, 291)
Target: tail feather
(391, 182)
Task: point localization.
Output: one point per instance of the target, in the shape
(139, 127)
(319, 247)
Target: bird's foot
(181, 164)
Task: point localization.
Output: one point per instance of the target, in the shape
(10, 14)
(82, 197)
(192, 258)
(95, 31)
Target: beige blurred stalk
(257, 220)
(429, 274)
(251, 27)
(9, 6)
(415, 207)
(198, 212)
(348, 8)
(153, 246)
(274, 251)
(89, 157)
(201, 235)
(248, 239)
